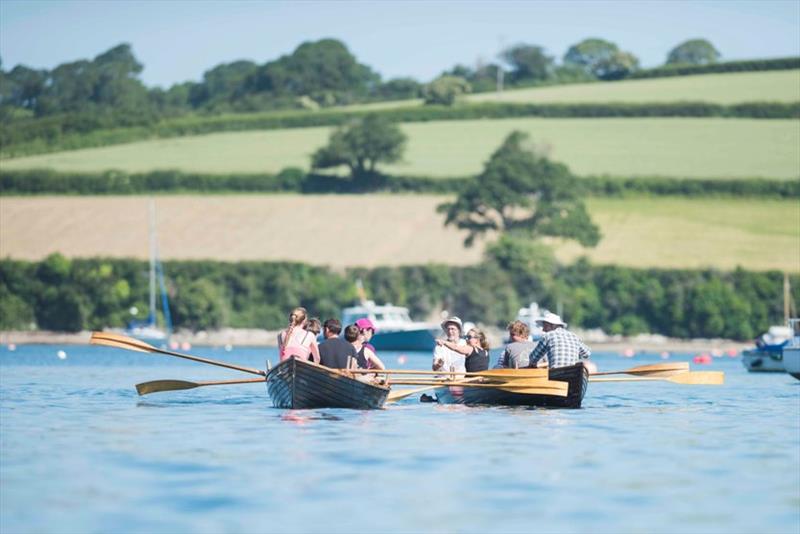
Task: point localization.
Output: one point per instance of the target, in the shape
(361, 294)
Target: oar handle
(124, 342)
(211, 362)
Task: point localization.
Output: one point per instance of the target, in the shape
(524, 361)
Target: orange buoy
(702, 359)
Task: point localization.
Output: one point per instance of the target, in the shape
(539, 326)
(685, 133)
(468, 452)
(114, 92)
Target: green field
(680, 147)
(728, 88)
(692, 233)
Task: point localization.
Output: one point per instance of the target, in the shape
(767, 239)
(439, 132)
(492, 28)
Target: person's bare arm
(466, 350)
(372, 357)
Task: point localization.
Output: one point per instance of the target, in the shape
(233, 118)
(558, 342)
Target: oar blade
(654, 369)
(395, 396)
(157, 386)
(702, 378)
(120, 342)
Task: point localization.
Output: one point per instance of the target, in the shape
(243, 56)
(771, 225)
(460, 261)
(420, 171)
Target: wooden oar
(395, 396)
(654, 369)
(541, 387)
(174, 385)
(124, 342)
(490, 373)
(532, 386)
(708, 378)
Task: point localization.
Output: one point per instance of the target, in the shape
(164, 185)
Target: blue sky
(179, 40)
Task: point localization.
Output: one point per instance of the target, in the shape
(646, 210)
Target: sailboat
(149, 331)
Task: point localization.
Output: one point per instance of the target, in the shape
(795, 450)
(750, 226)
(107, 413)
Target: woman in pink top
(296, 341)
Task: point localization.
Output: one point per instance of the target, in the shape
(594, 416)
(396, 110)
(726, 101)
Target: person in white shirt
(444, 358)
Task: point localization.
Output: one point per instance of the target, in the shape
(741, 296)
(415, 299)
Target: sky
(179, 40)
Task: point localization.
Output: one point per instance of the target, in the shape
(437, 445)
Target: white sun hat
(553, 319)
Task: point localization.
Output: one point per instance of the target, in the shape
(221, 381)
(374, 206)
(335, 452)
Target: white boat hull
(791, 361)
(758, 361)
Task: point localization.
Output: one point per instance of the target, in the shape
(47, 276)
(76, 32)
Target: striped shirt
(560, 348)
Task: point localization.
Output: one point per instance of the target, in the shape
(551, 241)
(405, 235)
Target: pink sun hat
(364, 324)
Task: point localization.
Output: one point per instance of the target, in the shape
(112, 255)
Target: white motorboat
(791, 351)
(395, 329)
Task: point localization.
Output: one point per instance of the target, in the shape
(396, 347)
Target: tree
(693, 52)
(616, 67)
(520, 192)
(325, 70)
(528, 62)
(198, 305)
(601, 58)
(444, 90)
(361, 145)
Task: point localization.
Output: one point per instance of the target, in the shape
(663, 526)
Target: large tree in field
(522, 194)
(693, 52)
(361, 145)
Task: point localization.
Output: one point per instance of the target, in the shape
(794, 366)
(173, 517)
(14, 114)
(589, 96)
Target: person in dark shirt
(335, 352)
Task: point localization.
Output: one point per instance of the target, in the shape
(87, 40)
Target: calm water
(81, 452)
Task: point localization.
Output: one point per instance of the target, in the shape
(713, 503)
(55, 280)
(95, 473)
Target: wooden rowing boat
(575, 375)
(301, 384)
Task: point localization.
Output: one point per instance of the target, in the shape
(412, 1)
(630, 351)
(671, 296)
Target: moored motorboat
(300, 384)
(394, 328)
(576, 376)
(763, 360)
(791, 352)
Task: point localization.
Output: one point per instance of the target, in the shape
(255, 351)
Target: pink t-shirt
(299, 345)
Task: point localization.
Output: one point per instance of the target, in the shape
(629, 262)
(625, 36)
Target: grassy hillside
(641, 232)
(667, 147)
(729, 88)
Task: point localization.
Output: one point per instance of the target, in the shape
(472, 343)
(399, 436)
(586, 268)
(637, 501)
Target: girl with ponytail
(295, 340)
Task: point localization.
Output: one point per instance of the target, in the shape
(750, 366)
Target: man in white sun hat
(444, 358)
(558, 347)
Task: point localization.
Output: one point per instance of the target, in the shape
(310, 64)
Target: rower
(558, 347)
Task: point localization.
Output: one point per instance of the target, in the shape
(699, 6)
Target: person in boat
(475, 351)
(295, 340)
(518, 351)
(367, 356)
(445, 357)
(558, 347)
(314, 326)
(335, 352)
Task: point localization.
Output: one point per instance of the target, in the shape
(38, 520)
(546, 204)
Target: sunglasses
(472, 337)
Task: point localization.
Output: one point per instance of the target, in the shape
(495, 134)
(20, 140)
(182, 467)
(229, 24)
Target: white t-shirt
(453, 361)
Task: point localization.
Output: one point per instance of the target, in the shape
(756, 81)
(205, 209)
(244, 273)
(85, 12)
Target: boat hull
(297, 384)
(762, 361)
(791, 361)
(576, 376)
(421, 339)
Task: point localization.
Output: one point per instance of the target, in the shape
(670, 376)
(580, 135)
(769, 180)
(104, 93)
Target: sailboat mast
(152, 315)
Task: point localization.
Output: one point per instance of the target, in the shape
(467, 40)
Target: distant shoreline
(236, 337)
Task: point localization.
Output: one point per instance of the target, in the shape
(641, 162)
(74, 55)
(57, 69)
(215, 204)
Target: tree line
(71, 295)
(106, 91)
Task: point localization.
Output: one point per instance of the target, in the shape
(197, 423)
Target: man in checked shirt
(558, 347)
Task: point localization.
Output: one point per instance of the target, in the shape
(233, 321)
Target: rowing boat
(575, 375)
(301, 384)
